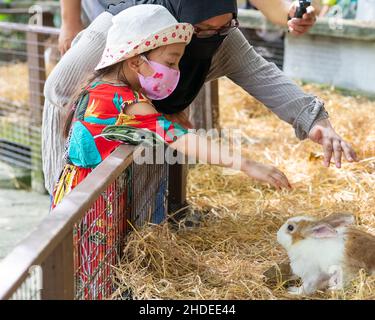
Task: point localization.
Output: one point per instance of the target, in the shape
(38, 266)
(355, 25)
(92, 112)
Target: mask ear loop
(144, 58)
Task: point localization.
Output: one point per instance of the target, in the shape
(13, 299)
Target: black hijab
(196, 62)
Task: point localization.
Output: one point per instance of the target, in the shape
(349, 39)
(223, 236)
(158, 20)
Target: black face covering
(196, 62)
(203, 48)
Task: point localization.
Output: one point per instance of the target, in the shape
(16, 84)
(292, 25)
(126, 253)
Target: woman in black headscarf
(225, 52)
(196, 62)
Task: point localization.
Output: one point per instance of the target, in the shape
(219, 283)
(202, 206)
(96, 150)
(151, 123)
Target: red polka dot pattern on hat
(179, 33)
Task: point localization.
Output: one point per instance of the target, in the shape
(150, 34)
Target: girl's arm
(208, 151)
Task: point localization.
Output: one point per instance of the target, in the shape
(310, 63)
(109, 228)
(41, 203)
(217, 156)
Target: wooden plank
(37, 78)
(214, 102)
(177, 186)
(58, 272)
(37, 75)
(203, 114)
(15, 11)
(21, 27)
(204, 111)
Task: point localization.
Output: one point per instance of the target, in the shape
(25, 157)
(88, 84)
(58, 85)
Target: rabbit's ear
(337, 220)
(321, 230)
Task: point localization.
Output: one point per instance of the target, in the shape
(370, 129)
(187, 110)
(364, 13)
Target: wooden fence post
(177, 186)
(58, 272)
(204, 111)
(37, 77)
(203, 114)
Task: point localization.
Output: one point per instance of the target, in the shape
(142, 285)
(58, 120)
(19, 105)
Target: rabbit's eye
(290, 227)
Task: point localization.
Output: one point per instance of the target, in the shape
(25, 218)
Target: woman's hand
(266, 173)
(300, 26)
(71, 23)
(333, 144)
(67, 34)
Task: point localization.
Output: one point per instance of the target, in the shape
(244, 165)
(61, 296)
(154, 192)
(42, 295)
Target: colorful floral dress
(101, 105)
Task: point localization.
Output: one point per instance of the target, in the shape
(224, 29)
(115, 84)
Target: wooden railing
(53, 247)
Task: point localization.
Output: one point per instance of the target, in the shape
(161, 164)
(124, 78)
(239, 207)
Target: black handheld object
(302, 8)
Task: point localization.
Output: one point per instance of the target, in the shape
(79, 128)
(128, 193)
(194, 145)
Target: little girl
(139, 64)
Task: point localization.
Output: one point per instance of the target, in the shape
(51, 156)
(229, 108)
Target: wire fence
(27, 55)
(98, 240)
(30, 289)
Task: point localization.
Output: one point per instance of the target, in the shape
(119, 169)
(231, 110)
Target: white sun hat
(142, 28)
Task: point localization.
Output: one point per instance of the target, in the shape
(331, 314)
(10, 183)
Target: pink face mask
(162, 83)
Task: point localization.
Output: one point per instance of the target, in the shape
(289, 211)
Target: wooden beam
(29, 28)
(204, 111)
(37, 78)
(58, 272)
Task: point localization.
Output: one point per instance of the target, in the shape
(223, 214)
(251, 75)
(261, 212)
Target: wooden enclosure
(52, 249)
(42, 266)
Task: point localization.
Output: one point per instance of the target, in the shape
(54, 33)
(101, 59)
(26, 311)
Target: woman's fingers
(327, 150)
(310, 16)
(298, 28)
(337, 152)
(349, 153)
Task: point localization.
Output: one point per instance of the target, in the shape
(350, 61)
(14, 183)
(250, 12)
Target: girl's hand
(266, 173)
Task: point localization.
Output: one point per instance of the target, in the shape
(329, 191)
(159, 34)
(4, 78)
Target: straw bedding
(227, 255)
(14, 82)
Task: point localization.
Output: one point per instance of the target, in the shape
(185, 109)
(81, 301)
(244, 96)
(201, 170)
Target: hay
(226, 257)
(14, 82)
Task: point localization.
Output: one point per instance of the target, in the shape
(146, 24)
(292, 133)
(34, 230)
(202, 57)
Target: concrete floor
(20, 212)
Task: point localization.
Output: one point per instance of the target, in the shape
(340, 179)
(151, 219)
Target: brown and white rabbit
(326, 253)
